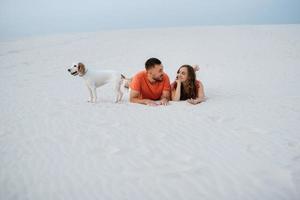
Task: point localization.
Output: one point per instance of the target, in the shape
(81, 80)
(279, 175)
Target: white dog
(95, 79)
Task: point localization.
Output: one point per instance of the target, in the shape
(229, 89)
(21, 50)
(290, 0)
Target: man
(151, 86)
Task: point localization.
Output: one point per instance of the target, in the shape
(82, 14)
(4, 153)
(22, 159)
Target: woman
(186, 87)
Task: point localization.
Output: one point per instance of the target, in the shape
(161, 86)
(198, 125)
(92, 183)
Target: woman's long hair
(191, 90)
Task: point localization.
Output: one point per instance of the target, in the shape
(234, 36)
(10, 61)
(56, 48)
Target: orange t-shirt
(149, 90)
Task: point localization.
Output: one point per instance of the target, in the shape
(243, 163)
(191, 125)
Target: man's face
(157, 72)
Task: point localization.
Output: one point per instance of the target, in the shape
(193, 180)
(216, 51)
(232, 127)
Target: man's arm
(165, 97)
(134, 98)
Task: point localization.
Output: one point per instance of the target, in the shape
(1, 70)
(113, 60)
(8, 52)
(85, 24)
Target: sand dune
(242, 143)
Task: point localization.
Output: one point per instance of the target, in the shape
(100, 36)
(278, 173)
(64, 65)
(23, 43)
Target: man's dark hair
(151, 62)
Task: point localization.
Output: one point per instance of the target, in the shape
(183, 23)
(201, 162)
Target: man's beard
(159, 79)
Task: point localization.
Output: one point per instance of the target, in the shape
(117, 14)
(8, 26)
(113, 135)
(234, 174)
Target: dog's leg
(91, 95)
(118, 92)
(120, 95)
(94, 91)
(117, 96)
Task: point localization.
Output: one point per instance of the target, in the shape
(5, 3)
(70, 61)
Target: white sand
(242, 144)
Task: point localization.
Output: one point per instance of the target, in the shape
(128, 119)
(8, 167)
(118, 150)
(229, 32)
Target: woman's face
(183, 74)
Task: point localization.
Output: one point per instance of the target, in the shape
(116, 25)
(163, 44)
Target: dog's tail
(125, 82)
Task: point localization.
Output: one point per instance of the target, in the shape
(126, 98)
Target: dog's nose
(69, 70)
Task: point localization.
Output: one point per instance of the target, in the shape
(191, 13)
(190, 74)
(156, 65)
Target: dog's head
(77, 69)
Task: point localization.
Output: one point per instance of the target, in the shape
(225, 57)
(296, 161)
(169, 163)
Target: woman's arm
(176, 92)
(200, 96)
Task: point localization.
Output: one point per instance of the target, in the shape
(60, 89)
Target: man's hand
(149, 102)
(164, 102)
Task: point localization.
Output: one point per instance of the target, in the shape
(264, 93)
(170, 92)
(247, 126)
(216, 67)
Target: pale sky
(21, 18)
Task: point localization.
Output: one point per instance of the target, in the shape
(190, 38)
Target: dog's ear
(81, 68)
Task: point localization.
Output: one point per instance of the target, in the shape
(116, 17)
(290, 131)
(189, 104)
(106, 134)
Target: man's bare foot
(196, 67)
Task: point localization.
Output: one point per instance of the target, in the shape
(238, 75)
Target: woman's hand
(178, 81)
(193, 101)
